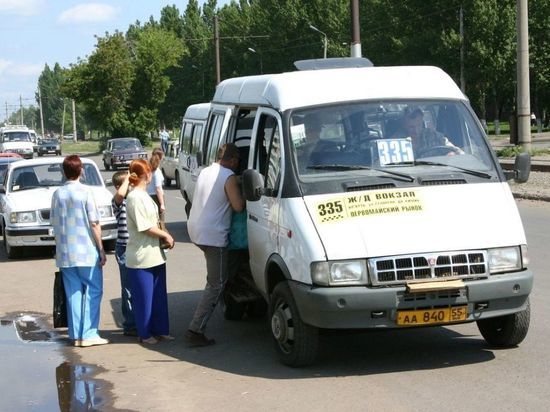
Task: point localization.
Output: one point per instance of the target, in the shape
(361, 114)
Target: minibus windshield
(400, 136)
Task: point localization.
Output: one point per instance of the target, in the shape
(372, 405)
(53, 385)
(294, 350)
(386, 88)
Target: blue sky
(36, 32)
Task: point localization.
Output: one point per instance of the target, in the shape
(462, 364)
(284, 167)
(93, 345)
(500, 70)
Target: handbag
(59, 302)
(162, 242)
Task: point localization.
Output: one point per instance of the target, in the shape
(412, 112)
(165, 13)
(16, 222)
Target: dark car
(121, 151)
(49, 146)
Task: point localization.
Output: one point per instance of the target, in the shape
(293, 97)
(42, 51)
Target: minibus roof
(197, 111)
(317, 87)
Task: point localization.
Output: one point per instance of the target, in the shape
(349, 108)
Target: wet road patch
(39, 371)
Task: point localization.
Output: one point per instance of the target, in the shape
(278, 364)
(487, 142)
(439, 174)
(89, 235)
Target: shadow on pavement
(246, 348)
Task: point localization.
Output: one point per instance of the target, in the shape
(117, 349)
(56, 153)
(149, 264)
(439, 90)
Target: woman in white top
(145, 260)
(154, 187)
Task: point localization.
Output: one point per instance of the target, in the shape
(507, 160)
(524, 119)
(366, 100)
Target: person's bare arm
(120, 194)
(96, 232)
(161, 234)
(160, 195)
(233, 192)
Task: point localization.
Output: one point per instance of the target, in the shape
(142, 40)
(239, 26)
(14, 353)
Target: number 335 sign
(394, 151)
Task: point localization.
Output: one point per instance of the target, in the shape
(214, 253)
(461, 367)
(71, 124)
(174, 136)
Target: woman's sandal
(150, 341)
(164, 337)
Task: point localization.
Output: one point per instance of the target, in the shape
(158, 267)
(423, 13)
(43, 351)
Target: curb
(527, 196)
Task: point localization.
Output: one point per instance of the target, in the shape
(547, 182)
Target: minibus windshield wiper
(469, 171)
(403, 176)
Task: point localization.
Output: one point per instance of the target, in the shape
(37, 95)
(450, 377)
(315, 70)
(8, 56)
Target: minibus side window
(214, 138)
(268, 151)
(195, 144)
(186, 138)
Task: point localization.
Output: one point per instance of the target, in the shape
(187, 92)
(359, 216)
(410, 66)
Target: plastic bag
(59, 302)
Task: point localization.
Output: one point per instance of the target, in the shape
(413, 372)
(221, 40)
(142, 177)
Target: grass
(81, 146)
(86, 146)
(513, 151)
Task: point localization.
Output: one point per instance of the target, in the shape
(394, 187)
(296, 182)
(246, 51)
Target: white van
(193, 129)
(355, 224)
(16, 139)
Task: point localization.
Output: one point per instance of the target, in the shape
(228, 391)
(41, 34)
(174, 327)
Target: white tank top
(210, 218)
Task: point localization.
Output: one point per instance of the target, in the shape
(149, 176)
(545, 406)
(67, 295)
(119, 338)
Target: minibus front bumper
(362, 307)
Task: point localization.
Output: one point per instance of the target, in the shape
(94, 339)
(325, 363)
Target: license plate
(431, 316)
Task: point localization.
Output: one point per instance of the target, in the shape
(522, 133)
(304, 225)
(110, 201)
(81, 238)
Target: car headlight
(23, 217)
(105, 211)
(343, 272)
(507, 259)
(143, 155)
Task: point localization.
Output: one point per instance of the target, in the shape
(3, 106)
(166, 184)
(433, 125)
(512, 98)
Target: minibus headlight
(505, 259)
(345, 273)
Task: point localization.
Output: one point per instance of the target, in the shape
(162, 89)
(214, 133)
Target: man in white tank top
(217, 195)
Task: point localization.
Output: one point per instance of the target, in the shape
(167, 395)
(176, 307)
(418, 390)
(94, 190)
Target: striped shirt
(122, 225)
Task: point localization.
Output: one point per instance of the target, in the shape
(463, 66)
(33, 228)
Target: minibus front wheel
(296, 342)
(506, 331)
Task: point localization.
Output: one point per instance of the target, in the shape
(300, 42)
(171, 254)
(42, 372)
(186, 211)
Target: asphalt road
(441, 368)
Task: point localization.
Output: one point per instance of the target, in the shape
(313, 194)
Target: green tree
(156, 50)
(49, 83)
(103, 83)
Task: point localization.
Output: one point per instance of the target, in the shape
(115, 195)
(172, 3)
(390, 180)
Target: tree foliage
(136, 81)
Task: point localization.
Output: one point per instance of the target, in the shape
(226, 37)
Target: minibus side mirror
(252, 185)
(199, 158)
(522, 168)
(2, 188)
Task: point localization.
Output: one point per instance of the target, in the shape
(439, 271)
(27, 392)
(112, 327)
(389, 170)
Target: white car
(169, 164)
(25, 201)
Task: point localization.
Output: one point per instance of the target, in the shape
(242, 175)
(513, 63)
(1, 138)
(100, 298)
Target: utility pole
(21, 110)
(41, 113)
(63, 119)
(523, 100)
(6, 119)
(461, 25)
(217, 49)
(74, 121)
(355, 48)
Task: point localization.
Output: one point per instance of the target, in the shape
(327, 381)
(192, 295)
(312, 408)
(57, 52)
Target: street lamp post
(260, 57)
(325, 40)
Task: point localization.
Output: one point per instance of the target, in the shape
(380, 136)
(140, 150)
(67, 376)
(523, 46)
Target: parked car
(5, 160)
(49, 146)
(169, 164)
(25, 201)
(121, 151)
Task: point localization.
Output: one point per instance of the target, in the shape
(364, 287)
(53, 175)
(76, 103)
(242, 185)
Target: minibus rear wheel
(506, 331)
(296, 342)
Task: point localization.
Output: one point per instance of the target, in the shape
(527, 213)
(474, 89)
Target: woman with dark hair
(79, 254)
(145, 260)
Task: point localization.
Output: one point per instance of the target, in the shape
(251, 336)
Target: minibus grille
(392, 270)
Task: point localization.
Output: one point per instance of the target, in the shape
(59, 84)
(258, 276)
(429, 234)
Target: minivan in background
(193, 129)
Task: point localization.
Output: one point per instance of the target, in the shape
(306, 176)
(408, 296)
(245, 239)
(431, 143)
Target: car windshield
(16, 137)
(387, 137)
(126, 145)
(46, 175)
(50, 141)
